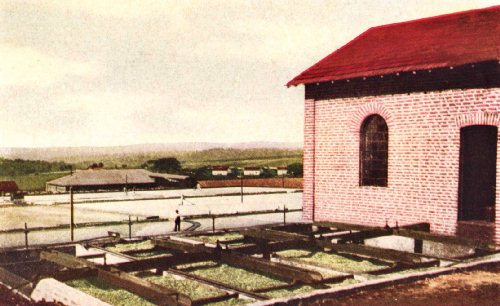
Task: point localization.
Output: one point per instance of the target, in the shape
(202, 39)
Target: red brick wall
(424, 142)
(275, 182)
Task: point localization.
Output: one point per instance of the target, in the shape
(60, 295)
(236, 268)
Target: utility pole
(72, 215)
(241, 185)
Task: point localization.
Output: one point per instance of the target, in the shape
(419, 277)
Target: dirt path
(481, 287)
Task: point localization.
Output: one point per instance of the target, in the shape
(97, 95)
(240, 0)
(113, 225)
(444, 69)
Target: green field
(260, 162)
(189, 160)
(197, 159)
(34, 182)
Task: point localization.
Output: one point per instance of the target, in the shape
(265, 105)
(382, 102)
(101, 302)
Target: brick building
(220, 170)
(401, 125)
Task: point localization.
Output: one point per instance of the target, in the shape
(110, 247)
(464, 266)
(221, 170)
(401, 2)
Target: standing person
(177, 227)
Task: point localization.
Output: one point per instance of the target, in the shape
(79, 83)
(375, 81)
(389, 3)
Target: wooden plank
(179, 246)
(92, 256)
(345, 226)
(373, 252)
(215, 299)
(360, 236)
(71, 274)
(220, 285)
(66, 260)
(295, 227)
(269, 234)
(239, 259)
(329, 280)
(423, 226)
(16, 282)
(162, 262)
(355, 249)
(264, 266)
(144, 288)
(476, 244)
(272, 246)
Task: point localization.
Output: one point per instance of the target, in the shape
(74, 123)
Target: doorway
(477, 185)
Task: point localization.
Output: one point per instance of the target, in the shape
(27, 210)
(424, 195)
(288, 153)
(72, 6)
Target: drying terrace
(251, 264)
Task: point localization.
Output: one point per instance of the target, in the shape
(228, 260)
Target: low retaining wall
(286, 182)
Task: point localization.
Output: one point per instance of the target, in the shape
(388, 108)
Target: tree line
(173, 166)
(17, 167)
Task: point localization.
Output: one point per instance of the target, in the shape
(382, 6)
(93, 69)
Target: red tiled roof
(8, 186)
(220, 168)
(442, 41)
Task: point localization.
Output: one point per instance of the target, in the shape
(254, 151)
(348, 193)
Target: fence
(131, 222)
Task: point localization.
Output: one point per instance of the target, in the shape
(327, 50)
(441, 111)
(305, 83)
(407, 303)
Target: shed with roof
(117, 179)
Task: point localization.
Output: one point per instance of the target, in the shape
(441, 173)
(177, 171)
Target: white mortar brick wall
(424, 147)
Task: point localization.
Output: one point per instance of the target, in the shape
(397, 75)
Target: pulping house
(401, 126)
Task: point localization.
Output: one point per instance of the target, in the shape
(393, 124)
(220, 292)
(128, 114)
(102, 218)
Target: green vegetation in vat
(334, 261)
(142, 249)
(122, 247)
(108, 293)
(232, 301)
(409, 271)
(305, 289)
(192, 288)
(237, 277)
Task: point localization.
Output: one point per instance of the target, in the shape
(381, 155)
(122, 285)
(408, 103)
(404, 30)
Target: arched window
(373, 152)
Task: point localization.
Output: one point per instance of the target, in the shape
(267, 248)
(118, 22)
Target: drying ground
(481, 287)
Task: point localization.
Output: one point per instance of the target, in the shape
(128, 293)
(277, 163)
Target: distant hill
(79, 154)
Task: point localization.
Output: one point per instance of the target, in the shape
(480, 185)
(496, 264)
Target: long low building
(117, 179)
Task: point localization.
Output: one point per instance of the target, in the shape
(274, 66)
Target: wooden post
(72, 215)
(284, 214)
(25, 235)
(129, 227)
(241, 185)
(418, 246)
(213, 223)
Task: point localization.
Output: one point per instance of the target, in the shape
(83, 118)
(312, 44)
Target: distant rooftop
(113, 177)
(8, 186)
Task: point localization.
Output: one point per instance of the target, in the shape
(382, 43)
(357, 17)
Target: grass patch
(108, 293)
(34, 182)
(334, 261)
(122, 247)
(189, 287)
(237, 277)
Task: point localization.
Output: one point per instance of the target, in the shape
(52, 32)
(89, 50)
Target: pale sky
(102, 73)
